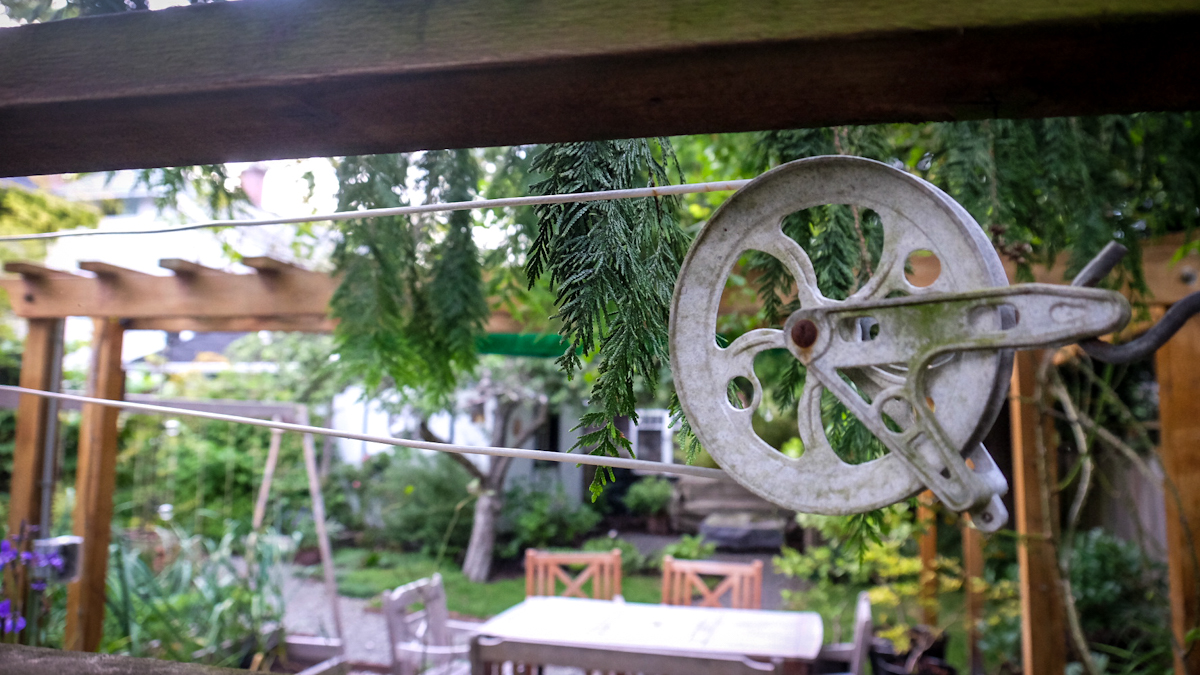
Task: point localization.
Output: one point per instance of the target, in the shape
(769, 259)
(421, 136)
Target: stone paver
(307, 612)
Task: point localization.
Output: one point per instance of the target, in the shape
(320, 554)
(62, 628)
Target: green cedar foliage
(412, 302)
(613, 266)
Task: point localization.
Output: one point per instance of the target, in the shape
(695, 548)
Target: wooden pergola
(278, 296)
(296, 78)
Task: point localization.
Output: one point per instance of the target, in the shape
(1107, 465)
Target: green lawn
(363, 574)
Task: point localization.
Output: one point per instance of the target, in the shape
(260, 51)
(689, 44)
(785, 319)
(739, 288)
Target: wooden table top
(635, 626)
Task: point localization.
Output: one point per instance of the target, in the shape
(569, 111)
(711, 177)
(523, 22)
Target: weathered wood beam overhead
(296, 78)
(301, 323)
(147, 296)
(280, 296)
(267, 265)
(499, 322)
(30, 270)
(109, 272)
(186, 268)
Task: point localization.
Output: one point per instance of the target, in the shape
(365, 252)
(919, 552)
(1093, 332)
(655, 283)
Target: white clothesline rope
(519, 453)
(509, 202)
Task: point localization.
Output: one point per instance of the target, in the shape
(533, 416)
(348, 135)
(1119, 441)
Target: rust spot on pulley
(804, 333)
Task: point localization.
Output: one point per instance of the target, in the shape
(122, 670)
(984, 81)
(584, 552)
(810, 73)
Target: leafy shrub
(201, 606)
(632, 561)
(423, 501)
(649, 496)
(1122, 601)
(689, 547)
(544, 518)
(885, 561)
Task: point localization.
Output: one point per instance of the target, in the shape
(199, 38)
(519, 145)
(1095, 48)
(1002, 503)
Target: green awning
(537, 345)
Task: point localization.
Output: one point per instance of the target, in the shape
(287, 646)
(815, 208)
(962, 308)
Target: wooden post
(1178, 367)
(927, 518)
(972, 544)
(94, 484)
(33, 412)
(318, 507)
(1043, 626)
(264, 490)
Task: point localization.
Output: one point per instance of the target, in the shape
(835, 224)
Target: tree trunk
(478, 564)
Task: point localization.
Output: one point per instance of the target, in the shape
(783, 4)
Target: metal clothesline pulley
(925, 369)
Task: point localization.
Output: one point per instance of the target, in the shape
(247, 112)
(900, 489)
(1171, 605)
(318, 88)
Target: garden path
(307, 611)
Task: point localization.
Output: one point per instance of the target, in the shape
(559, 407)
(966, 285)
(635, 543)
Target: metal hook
(1147, 343)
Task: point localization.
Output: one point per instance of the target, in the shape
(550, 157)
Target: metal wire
(603, 195)
(519, 453)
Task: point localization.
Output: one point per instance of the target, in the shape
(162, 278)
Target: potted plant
(649, 498)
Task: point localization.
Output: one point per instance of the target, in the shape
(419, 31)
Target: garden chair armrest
(462, 626)
(421, 649)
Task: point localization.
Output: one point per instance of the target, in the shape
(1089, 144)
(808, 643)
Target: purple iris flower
(38, 586)
(8, 622)
(7, 554)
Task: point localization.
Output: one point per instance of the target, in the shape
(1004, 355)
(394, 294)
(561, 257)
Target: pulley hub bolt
(804, 333)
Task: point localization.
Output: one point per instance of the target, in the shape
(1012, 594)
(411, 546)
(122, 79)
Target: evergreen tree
(613, 265)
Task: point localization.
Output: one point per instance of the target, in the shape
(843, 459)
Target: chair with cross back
(684, 583)
(553, 573)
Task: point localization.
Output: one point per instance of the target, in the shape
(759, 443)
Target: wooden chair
(683, 582)
(544, 569)
(426, 641)
(855, 654)
(490, 655)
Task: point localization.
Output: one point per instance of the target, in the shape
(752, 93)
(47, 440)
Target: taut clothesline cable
(603, 195)
(571, 458)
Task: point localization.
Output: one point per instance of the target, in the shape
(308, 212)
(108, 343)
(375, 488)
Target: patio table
(793, 637)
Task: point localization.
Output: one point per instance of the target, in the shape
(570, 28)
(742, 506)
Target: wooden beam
(267, 265)
(973, 599)
(1178, 367)
(34, 451)
(109, 272)
(95, 482)
(186, 268)
(42, 344)
(146, 296)
(287, 78)
(304, 323)
(318, 513)
(928, 594)
(1043, 626)
(264, 489)
(36, 271)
